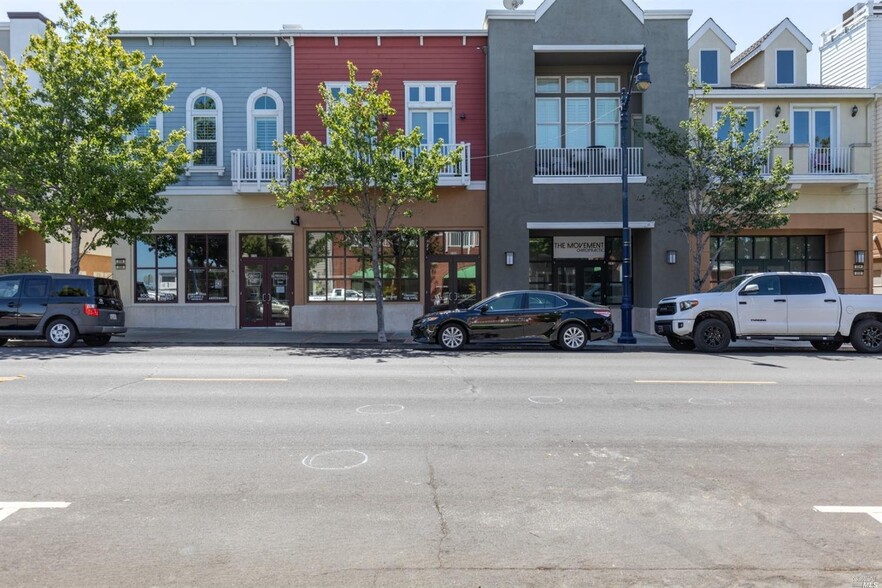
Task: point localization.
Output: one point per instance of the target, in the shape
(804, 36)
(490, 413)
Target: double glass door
(265, 292)
(584, 279)
(452, 282)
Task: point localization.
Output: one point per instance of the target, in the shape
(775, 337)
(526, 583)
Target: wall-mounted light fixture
(860, 256)
(509, 258)
(777, 111)
(462, 116)
(296, 221)
(671, 256)
(854, 111)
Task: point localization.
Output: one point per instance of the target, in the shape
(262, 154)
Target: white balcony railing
(588, 161)
(459, 174)
(254, 170)
(828, 160)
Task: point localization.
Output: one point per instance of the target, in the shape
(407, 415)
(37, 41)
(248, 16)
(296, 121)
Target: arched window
(265, 111)
(205, 125)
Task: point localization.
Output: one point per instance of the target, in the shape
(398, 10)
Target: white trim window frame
(259, 112)
(599, 82)
(338, 89)
(154, 123)
(430, 103)
(548, 85)
(548, 118)
(753, 111)
(205, 114)
(606, 119)
(813, 139)
(701, 72)
(778, 53)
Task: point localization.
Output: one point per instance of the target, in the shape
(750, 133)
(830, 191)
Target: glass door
(452, 282)
(584, 279)
(265, 294)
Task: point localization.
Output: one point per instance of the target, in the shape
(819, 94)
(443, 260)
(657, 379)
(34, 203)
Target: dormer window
(786, 67)
(709, 67)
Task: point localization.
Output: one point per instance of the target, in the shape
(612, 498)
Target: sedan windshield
(730, 284)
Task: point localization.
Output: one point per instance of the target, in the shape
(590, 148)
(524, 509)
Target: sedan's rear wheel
(712, 336)
(867, 336)
(826, 345)
(452, 337)
(572, 337)
(61, 333)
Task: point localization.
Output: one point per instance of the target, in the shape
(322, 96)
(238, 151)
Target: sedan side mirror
(485, 308)
(750, 289)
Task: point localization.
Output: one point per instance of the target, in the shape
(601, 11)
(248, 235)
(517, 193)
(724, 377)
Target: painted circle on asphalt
(872, 400)
(545, 399)
(338, 459)
(708, 401)
(379, 409)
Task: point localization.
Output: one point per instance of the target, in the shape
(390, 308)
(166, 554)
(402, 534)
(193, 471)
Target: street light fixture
(639, 79)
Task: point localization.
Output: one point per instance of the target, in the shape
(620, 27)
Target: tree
(367, 173)
(715, 179)
(69, 165)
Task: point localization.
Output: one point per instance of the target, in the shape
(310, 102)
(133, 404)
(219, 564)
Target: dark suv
(60, 308)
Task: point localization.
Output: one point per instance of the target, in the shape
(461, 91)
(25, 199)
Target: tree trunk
(378, 286)
(698, 252)
(75, 242)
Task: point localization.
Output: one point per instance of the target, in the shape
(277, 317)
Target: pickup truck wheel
(826, 345)
(452, 337)
(867, 336)
(712, 336)
(681, 344)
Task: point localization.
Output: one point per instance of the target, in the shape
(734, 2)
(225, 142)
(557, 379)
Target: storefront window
(267, 246)
(596, 280)
(156, 269)
(340, 268)
(208, 273)
(453, 243)
(743, 255)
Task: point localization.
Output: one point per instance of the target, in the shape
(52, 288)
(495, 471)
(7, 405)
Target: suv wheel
(867, 336)
(61, 333)
(96, 340)
(572, 337)
(712, 336)
(452, 337)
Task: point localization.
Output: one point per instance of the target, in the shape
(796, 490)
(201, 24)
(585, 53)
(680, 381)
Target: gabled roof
(632, 6)
(711, 25)
(767, 39)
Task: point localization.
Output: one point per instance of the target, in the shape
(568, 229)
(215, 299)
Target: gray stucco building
(555, 77)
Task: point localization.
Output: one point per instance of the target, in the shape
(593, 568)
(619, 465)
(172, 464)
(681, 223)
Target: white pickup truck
(800, 306)
(337, 294)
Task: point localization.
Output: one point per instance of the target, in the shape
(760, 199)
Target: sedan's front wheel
(572, 337)
(452, 337)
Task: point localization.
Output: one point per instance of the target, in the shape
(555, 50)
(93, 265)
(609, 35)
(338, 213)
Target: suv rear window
(803, 285)
(64, 287)
(107, 288)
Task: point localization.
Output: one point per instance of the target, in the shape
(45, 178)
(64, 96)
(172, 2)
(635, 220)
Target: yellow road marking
(215, 379)
(11, 378)
(750, 383)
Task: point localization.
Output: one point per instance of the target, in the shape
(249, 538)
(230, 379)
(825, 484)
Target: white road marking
(873, 511)
(9, 508)
(545, 399)
(359, 456)
(745, 382)
(379, 409)
(215, 379)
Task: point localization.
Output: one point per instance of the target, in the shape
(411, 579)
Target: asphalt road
(289, 467)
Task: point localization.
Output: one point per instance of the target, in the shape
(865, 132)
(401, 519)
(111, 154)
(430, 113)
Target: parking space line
(215, 379)
(8, 508)
(10, 378)
(873, 511)
(745, 382)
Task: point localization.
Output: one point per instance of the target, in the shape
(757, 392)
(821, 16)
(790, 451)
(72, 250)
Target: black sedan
(564, 321)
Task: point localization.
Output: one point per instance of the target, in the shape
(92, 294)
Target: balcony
(589, 165)
(827, 165)
(253, 171)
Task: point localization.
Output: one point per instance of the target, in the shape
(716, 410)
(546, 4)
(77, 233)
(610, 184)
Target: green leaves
(717, 179)
(67, 164)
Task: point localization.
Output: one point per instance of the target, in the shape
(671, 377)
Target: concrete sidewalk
(260, 337)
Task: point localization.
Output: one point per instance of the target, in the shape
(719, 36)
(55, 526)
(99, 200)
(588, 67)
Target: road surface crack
(433, 484)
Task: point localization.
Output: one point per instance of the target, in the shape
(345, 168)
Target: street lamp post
(638, 78)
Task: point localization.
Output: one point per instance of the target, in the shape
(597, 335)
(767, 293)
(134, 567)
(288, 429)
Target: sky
(744, 20)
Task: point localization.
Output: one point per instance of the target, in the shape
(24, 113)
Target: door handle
(780, 300)
(742, 302)
(829, 300)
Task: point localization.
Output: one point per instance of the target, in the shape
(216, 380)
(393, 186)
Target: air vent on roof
(292, 27)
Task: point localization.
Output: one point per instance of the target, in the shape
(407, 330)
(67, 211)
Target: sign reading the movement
(579, 247)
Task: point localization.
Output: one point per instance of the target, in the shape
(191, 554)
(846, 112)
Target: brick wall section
(438, 59)
(8, 240)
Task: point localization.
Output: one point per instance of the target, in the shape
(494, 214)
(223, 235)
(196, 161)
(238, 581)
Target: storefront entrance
(265, 282)
(452, 282)
(580, 278)
(589, 267)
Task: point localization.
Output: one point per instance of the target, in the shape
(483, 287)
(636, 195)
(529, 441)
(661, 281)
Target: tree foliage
(69, 166)
(367, 175)
(716, 183)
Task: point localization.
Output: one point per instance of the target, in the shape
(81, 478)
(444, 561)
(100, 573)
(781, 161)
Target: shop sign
(579, 247)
